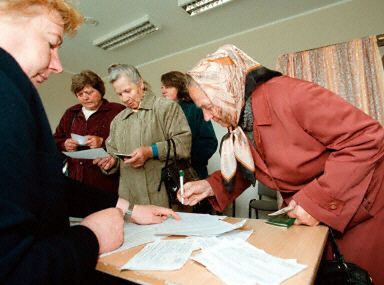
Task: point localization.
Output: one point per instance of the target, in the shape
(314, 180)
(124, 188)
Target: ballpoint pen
(181, 176)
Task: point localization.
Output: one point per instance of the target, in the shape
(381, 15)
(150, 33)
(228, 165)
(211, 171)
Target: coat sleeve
(222, 197)
(205, 143)
(36, 244)
(110, 144)
(356, 144)
(61, 133)
(175, 126)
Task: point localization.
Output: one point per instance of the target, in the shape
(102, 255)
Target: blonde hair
(71, 17)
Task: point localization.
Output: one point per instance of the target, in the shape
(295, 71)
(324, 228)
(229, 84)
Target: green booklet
(281, 220)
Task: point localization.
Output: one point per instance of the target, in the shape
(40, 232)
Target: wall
(337, 23)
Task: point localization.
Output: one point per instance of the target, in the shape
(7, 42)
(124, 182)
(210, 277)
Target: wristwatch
(129, 211)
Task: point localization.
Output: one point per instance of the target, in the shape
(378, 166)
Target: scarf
(228, 78)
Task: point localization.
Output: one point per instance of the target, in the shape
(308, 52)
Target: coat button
(333, 206)
(81, 163)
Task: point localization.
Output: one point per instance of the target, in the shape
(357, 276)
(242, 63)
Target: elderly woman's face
(210, 111)
(89, 97)
(129, 93)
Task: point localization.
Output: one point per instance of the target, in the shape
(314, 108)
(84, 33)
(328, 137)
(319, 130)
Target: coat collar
(11, 68)
(146, 104)
(261, 107)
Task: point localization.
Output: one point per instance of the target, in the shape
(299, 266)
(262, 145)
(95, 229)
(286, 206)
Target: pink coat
(327, 155)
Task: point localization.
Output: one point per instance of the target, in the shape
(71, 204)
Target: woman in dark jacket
(204, 141)
(91, 118)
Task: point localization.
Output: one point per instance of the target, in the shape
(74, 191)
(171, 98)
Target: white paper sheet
(87, 154)
(197, 225)
(81, 140)
(135, 235)
(237, 262)
(204, 242)
(163, 255)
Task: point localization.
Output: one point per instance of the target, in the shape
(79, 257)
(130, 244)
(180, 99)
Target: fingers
(70, 145)
(172, 214)
(105, 163)
(137, 160)
(302, 216)
(94, 141)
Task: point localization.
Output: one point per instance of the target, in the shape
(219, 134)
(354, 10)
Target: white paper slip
(81, 140)
(163, 255)
(196, 225)
(87, 154)
(282, 211)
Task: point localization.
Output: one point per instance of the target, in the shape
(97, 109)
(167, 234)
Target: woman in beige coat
(140, 131)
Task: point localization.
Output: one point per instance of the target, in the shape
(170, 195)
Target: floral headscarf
(222, 76)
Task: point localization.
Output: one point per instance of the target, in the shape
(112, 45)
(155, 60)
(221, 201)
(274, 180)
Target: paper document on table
(81, 140)
(87, 154)
(204, 242)
(135, 235)
(196, 225)
(161, 255)
(237, 262)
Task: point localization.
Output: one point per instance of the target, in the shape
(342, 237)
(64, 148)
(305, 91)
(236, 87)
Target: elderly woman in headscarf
(321, 153)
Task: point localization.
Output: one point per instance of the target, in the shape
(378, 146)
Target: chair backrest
(265, 191)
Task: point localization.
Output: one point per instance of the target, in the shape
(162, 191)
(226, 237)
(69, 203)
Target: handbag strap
(174, 150)
(336, 252)
(168, 153)
(169, 142)
(167, 159)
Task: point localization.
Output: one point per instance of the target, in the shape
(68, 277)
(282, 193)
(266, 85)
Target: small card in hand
(122, 155)
(282, 220)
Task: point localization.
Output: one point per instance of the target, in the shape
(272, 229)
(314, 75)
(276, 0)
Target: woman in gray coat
(141, 132)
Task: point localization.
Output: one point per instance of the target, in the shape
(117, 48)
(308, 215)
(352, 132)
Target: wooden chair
(261, 204)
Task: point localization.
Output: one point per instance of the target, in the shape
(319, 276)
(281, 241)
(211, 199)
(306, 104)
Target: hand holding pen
(181, 176)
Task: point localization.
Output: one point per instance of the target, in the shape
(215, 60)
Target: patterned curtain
(353, 70)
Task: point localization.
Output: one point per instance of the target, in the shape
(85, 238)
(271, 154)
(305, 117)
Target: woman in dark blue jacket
(37, 244)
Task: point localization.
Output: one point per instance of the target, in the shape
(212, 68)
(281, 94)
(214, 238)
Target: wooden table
(303, 243)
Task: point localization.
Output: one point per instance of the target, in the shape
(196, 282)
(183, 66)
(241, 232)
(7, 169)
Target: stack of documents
(224, 250)
(237, 262)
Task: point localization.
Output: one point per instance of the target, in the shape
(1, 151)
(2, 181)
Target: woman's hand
(70, 145)
(195, 191)
(302, 217)
(139, 156)
(150, 214)
(94, 141)
(105, 163)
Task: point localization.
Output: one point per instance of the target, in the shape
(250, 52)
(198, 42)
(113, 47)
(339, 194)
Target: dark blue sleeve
(204, 141)
(37, 246)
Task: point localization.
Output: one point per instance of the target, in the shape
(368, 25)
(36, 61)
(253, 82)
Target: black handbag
(170, 173)
(339, 272)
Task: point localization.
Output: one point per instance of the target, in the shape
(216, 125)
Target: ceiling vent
(194, 7)
(126, 34)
